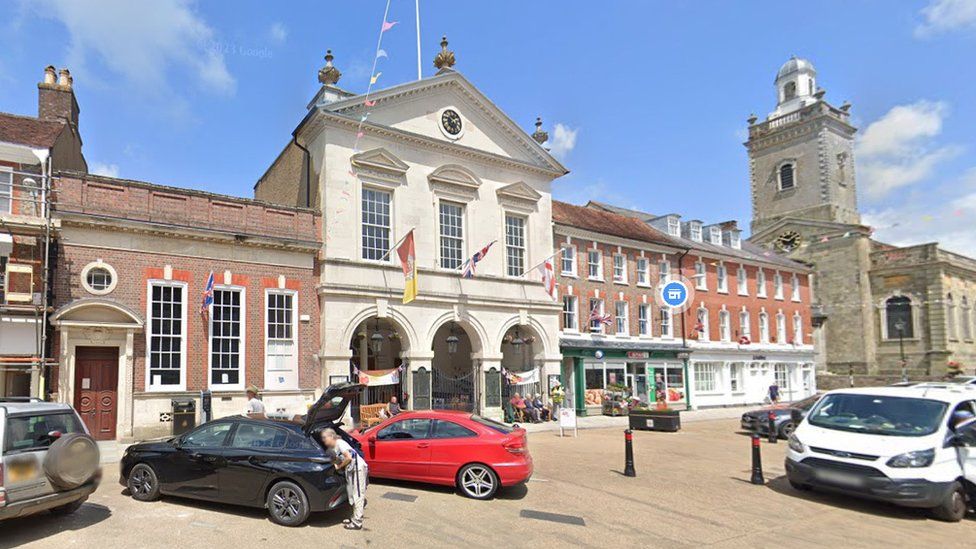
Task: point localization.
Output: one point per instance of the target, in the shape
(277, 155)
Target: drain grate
(397, 496)
(552, 517)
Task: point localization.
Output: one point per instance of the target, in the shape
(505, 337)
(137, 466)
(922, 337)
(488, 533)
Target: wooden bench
(369, 414)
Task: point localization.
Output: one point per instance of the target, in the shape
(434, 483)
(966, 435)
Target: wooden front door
(96, 389)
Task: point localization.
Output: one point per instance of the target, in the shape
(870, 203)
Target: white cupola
(796, 86)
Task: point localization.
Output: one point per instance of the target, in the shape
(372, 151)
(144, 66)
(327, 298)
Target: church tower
(801, 157)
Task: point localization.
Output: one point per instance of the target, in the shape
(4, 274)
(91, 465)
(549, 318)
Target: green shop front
(650, 371)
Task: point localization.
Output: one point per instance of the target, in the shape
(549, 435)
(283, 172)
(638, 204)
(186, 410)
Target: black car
(758, 420)
(279, 465)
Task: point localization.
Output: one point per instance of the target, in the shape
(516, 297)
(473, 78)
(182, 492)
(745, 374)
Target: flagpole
(465, 262)
(537, 265)
(419, 72)
(398, 242)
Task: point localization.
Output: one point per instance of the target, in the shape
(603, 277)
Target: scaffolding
(25, 292)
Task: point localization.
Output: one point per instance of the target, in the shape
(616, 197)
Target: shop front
(736, 378)
(596, 371)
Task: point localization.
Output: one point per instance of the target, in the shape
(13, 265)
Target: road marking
(538, 479)
(552, 517)
(397, 496)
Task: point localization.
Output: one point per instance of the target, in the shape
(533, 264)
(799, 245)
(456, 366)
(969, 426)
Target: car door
(965, 443)
(253, 451)
(451, 446)
(191, 470)
(401, 449)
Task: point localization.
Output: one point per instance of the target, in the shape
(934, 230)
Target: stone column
(493, 412)
(126, 376)
(420, 373)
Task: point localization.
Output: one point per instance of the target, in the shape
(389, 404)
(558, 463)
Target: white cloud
(898, 149)
(278, 32)
(562, 141)
(946, 15)
(101, 168)
(142, 41)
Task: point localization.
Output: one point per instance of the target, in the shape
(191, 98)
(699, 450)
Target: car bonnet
(332, 404)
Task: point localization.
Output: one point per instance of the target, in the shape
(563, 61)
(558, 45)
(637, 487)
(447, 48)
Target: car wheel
(477, 481)
(953, 507)
(800, 486)
(287, 504)
(143, 483)
(69, 508)
(786, 429)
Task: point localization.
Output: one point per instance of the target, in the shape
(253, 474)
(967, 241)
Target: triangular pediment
(519, 191)
(380, 159)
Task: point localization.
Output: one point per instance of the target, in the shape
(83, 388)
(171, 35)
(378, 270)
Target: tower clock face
(788, 241)
(451, 123)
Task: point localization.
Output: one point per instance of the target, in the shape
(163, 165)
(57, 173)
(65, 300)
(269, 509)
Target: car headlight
(796, 445)
(918, 458)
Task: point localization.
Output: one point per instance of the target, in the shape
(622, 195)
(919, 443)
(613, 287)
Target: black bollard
(629, 454)
(757, 474)
(773, 433)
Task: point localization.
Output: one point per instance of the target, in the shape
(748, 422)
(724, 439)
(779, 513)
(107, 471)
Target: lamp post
(900, 328)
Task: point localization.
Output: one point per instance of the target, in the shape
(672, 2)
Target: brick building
(131, 333)
(31, 148)
(747, 327)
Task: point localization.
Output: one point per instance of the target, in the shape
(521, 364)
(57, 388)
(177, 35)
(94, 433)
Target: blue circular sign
(675, 294)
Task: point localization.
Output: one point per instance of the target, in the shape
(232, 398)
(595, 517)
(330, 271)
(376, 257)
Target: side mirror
(796, 415)
(371, 439)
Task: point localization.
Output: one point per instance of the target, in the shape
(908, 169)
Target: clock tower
(801, 159)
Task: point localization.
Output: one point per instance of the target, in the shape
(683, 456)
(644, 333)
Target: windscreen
(878, 415)
(492, 424)
(33, 432)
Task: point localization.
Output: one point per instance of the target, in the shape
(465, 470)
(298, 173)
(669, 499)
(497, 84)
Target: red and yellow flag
(408, 262)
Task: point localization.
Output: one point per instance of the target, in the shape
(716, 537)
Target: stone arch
(399, 320)
(97, 312)
(472, 326)
(540, 333)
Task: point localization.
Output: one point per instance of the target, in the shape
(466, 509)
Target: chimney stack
(56, 97)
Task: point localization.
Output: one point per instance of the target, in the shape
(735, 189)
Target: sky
(645, 101)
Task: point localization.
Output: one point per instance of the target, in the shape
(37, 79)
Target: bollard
(629, 454)
(773, 433)
(757, 474)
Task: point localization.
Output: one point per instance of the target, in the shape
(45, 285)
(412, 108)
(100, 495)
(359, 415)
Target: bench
(369, 414)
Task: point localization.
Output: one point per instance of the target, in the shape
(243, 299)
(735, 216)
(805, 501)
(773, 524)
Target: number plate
(840, 478)
(22, 470)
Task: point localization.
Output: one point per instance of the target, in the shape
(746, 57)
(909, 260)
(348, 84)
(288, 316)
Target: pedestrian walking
(353, 465)
(557, 395)
(774, 393)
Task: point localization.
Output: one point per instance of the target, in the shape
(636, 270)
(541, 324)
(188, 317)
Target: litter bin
(184, 415)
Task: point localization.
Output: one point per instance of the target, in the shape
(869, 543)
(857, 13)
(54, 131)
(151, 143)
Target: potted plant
(615, 399)
(658, 418)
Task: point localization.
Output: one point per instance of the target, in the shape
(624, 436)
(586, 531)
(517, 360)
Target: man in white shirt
(255, 408)
(350, 462)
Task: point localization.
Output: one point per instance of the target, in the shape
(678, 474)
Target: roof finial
(539, 135)
(445, 58)
(329, 75)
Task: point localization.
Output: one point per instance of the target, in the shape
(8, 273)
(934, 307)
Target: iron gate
(453, 393)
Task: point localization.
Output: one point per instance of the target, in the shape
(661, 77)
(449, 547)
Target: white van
(912, 446)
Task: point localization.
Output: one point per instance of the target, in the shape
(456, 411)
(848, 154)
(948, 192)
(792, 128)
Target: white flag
(548, 278)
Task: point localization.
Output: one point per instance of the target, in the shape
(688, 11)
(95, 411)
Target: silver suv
(48, 460)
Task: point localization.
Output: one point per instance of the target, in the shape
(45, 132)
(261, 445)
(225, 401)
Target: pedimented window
(519, 196)
(380, 165)
(455, 182)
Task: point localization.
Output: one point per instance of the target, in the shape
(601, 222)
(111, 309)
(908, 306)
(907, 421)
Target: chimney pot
(65, 78)
(50, 76)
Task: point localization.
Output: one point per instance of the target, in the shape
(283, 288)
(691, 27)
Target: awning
(6, 243)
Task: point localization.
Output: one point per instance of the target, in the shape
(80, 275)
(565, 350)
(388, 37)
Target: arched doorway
(377, 349)
(521, 354)
(454, 379)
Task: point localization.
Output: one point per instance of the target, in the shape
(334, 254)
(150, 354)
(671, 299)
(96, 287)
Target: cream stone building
(437, 157)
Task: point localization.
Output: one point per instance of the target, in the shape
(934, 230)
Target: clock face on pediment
(788, 241)
(451, 123)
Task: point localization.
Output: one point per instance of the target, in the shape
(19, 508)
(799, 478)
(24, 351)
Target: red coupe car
(476, 454)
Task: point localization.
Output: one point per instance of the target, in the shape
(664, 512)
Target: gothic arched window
(786, 179)
(789, 91)
(898, 314)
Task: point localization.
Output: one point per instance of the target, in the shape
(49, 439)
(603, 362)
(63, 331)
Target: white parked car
(913, 446)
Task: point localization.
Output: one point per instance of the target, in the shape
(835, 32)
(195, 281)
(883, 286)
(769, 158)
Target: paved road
(691, 490)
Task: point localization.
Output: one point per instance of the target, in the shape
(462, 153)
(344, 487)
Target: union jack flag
(208, 294)
(597, 316)
(468, 269)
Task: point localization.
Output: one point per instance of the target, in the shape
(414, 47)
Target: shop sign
(638, 354)
(759, 357)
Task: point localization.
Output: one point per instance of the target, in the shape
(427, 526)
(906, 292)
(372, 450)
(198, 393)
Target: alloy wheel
(142, 481)
(477, 481)
(285, 504)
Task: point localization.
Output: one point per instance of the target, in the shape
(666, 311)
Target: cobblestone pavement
(692, 489)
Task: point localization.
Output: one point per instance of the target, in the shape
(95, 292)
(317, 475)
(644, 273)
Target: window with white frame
(452, 235)
(674, 226)
(596, 314)
(227, 338)
(745, 330)
(742, 280)
(760, 283)
(781, 375)
(695, 229)
(701, 280)
(570, 313)
(763, 327)
(515, 245)
(736, 240)
(665, 271)
(716, 235)
(735, 376)
(620, 268)
(6, 190)
(594, 264)
(777, 286)
(797, 329)
(705, 377)
(376, 223)
(643, 272)
(722, 275)
(620, 318)
(644, 319)
(568, 261)
(665, 314)
(780, 328)
(795, 288)
(702, 325)
(167, 323)
(724, 326)
(281, 364)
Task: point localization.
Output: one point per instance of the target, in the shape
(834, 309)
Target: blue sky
(650, 98)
